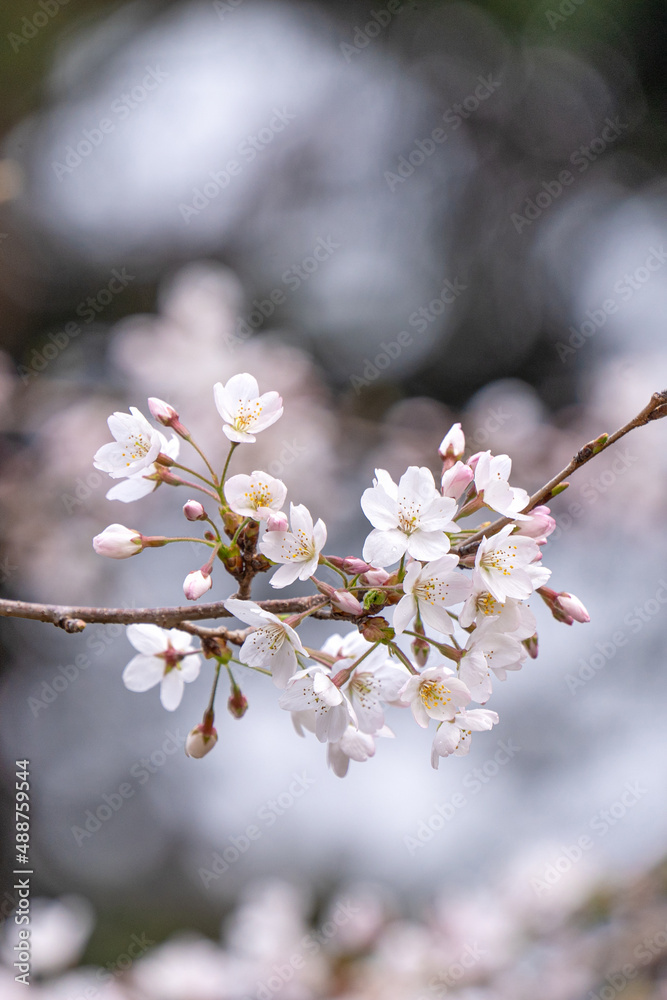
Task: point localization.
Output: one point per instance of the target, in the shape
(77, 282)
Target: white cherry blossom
(320, 706)
(488, 649)
(273, 644)
(137, 445)
(504, 564)
(244, 411)
(258, 496)
(137, 486)
(162, 659)
(481, 607)
(430, 590)
(377, 679)
(298, 549)
(454, 737)
(491, 479)
(436, 693)
(409, 517)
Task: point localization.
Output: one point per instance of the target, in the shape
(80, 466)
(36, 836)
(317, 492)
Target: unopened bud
(452, 446)
(353, 565)
(347, 602)
(237, 703)
(456, 480)
(376, 577)
(118, 542)
(277, 521)
(539, 525)
(200, 740)
(162, 411)
(194, 511)
(167, 416)
(196, 584)
(420, 651)
(377, 630)
(573, 607)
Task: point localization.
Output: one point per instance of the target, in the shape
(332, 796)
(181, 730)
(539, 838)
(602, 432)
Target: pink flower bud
(376, 577)
(573, 607)
(118, 542)
(455, 481)
(277, 521)
(196, 584)
(347, 602)
(194, 511)
(237, 703)
(540, 525)
(474, 459)
(200, 740)
(452, 445)
(353, 565)
(162, 411)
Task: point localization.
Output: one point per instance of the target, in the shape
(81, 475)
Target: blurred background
(398, 216)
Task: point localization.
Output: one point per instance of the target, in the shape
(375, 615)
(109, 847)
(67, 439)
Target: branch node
(70, 624)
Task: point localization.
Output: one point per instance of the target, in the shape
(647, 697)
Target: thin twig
(654, 410)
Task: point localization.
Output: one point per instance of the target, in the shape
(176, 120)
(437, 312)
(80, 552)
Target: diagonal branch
(654, 410)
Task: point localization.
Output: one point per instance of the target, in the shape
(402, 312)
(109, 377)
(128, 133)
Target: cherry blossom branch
(655, 409)
(75, 619)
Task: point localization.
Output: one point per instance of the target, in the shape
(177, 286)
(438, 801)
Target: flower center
(434, 693)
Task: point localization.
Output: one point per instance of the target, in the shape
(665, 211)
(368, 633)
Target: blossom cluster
(438, 611)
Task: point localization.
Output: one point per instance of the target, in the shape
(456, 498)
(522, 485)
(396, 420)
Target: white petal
(427, 545)
(143, 673)
(404, 612)
(380, 508)
(189, 668)
(171, 690)
(132, 489)
(148, 639)
(382, 548)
